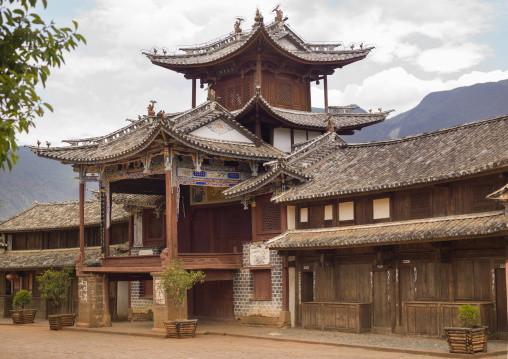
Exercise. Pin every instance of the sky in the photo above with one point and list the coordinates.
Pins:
(421, 47)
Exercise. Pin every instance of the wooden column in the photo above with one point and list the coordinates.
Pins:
(325, 83)
(258, 127)
(193, 93)
(285, 285)
(109, 204)
(171, 209)
(258, 69)
(81, 221)
(131, 231)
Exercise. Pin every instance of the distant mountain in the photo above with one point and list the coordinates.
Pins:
(36, 178)
(440, 110)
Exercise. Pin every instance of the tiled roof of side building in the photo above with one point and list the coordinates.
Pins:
(55, 258)
(59, 215)
(434, 156)
(448, 228)
(343, 120)
(291, 165)
(281, 37)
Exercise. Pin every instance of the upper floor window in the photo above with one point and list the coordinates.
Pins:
(304, 215)
(480, 202)
(381, 208)
(347, 211)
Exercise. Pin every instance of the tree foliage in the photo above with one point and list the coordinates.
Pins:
(54, 285)
(22, 298)
(176, 281)
(29, 47)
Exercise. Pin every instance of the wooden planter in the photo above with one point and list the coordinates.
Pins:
(187, 328)
(23, 316)
(181, 328)
(171, 329)
(467, 340)
(67, 319)
(55, 322)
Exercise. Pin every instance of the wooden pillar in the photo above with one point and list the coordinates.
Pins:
(258, 69)
(131, 231)
(325, 83)
(193, 93)
(109, 204)
(258, 127)
(285, 287)
(81, 221)
(171, 209)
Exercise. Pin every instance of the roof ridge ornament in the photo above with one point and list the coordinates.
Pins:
(210, 93)
(150, 108)
(238, 24)
(258, 19)
(279, 15)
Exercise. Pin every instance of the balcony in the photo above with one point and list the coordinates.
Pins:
(153, 263)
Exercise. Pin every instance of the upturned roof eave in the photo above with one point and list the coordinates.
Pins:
(261, 30)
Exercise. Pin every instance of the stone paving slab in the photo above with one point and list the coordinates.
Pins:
(396, 343)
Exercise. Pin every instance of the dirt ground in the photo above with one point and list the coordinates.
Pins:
(39, 342)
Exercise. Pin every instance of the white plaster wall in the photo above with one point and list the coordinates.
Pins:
(282, 139)
(232, 135)
(381, 208)
(299, 136)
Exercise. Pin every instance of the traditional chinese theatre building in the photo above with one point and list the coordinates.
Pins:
(289, 222)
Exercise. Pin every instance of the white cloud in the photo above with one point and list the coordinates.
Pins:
(397, 89)
(109, 80)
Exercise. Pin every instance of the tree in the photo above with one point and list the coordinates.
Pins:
(176, 280)
(28, 49)
(22, 298)
(54, 285)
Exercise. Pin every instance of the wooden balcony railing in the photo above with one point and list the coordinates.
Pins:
(192, 261)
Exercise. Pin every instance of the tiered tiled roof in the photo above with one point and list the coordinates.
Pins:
(435, 156)
(60, 215)
(55, 258)
(442, 228)
(282, 38)
(343, 120)
(139, 135)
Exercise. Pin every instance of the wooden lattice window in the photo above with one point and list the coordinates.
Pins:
(222, 95)
(420, 205)
(284, 93)
(246, 93)
(270, 217)
(230, 97)
(238, 95)
(480, 202)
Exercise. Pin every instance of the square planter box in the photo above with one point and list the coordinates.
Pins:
(23, 316)
(181, 328)
(467, 340)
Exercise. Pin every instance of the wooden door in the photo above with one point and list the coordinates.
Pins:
(213, 299)
(307, 288)
(502, 313)
(380, 300)
(201, 233)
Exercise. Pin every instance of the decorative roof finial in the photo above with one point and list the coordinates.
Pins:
(48, 144)
(330, 127)
(38, 143)
(211, 93)
(150, 108)
(258, 19)
(238, 24)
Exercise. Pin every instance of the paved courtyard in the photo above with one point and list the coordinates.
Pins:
(32, 341)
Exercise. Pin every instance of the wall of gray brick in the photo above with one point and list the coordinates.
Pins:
(243, 288)
(139, 303)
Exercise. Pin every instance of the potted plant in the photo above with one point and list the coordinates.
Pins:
(54, 286)
(470, 338)
(175, 282)
(22, 316)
